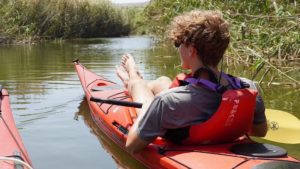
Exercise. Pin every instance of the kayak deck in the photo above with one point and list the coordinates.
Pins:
(115, 121)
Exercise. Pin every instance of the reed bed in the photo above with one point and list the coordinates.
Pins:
(61, 19)
(261, 31)
(267, 26)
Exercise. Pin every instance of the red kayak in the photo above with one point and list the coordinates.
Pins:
(114, 113)
(13, 154)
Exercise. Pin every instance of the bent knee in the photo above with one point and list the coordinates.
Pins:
(160, 84)
(164, 80)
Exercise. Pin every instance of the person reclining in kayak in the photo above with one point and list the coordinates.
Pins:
(201, 38)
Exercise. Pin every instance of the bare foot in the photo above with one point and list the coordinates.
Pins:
(129, 65)
(123, 75)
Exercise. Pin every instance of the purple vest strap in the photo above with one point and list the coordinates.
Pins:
(233, 81)
(204, 82)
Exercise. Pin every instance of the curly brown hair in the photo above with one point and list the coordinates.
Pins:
(207, 31)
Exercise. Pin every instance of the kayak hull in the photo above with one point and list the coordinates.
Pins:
(115, 121)
(11, 144)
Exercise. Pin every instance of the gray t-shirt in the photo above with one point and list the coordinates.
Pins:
(185, 106)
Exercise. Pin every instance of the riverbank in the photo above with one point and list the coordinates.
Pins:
(6, 40)
(267, 28)
(24, 21)
(261, 32)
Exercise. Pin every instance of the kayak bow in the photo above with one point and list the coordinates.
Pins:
(13, 154)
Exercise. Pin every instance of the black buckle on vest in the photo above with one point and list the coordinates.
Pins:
(1, 90)
(244, 85)
(183, 83)
(221, 89)
(161, 150)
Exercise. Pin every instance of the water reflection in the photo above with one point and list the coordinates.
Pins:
(122, 158)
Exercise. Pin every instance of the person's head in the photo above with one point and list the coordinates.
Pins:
(206, 31)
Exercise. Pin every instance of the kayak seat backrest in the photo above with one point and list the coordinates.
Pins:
(233, 119)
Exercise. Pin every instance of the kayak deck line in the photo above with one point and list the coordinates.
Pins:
(116, 120)
(162, 151)
(101, 88)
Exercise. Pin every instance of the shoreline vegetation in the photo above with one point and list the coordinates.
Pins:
(264, 34)
(26, 21)
(269, 27)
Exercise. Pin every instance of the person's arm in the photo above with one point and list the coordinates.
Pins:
(259, 126)
(146, 128)
(134, 143)
(259, 130)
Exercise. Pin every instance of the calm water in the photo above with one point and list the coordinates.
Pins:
(49, 106)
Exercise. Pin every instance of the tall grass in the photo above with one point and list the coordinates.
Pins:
(137, 20)
(61, 19)
(269, 27)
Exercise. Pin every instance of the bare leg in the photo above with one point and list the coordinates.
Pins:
(156, 86)
(160, 84)
(137, 87)
(140, 91)
(123, 75)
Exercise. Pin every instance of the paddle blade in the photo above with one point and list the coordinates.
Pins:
(283, 127)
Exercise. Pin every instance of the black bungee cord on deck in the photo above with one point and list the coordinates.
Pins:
(0, 99)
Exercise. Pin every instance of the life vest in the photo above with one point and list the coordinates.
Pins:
(232, 119)
(180, 80)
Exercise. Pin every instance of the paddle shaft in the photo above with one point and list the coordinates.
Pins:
(117, 102)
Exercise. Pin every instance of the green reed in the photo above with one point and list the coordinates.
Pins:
(269, 27)
(61, 19)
